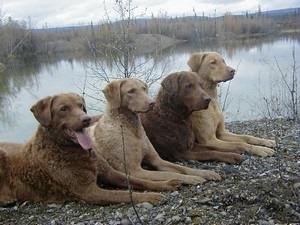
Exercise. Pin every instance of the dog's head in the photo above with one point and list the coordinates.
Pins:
(211, 67)
(185, 88)
(128, 93)
(64, 117)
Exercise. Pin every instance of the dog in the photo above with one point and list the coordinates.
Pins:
(208, 125)
(168, 126)
(121, 139)
(58, 164)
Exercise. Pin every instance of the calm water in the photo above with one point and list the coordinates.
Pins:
(255, 61)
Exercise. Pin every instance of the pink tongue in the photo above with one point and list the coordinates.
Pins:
(84, 140)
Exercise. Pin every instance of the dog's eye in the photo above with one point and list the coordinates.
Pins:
(213, 62)
(131, 91)
(189, 86)
(64, 108)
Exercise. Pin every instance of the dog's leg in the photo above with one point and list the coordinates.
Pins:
(231, 137)
(95, 195)
(5, 198)
(202, 153)
(167, 173)
(225, 135)
(117, 178)
(153, 158)
(231, 146)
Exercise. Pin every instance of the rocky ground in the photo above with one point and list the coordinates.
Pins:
(259, 191)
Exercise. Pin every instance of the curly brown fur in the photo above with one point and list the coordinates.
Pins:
(169, 126)
(57, 163)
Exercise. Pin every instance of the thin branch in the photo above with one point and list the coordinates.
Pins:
(128, 177)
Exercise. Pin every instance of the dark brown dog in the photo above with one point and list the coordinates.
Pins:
(168, 125)
(57, 165)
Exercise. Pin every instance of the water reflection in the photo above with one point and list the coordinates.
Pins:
(34, 78)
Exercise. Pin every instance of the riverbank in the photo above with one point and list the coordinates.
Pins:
(259, 191)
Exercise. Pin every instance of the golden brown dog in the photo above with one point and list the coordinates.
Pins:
(209, 124)
(120, 138)
(169, 126)
(57, 165)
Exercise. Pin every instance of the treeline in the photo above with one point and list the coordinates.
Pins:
(18, 39)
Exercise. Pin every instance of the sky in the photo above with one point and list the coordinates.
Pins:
(60, 13)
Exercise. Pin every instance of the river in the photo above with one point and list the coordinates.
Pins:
(256, 87)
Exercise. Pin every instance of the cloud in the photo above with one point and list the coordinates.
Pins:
(218, 2)
(75, 12)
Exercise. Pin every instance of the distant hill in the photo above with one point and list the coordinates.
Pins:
(282, 12)
(270, 13)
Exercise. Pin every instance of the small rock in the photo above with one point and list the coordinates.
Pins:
(188, 219)
(160, 217)
(125, 222)
(146, 205)
(263, 222)
(223, 213)
(174, 193)
(176, 218)
(297, 185)
(118, 215)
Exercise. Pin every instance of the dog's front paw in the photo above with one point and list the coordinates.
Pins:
(272, 144)
(262, 151)
(152, 197)
(210, 175)
(172, 185)
(194, 180)
(238, 150)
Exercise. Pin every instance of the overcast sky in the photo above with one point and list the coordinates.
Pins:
(58, 13)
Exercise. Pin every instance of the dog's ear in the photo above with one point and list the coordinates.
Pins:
(81, 99)
(196, 61)
(112, 93)
(144, 84)
(42, 111)
(171, 82)
(84, 105)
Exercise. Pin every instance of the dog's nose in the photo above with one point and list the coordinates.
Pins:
(152, 104)
(207, 100)
(85, 119)
(232, 71)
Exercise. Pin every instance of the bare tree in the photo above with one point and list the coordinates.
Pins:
(290, 82)
(282, 101)
(118, 51)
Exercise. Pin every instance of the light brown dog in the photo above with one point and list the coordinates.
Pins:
(120, 138)
(169, 125)
(209, 124)
(57, 165)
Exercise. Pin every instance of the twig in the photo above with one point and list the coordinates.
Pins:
(128, 177)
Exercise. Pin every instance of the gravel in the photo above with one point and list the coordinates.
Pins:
(261, 191)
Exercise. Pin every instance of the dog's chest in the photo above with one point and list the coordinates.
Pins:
(215, 113)
(182, 135)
